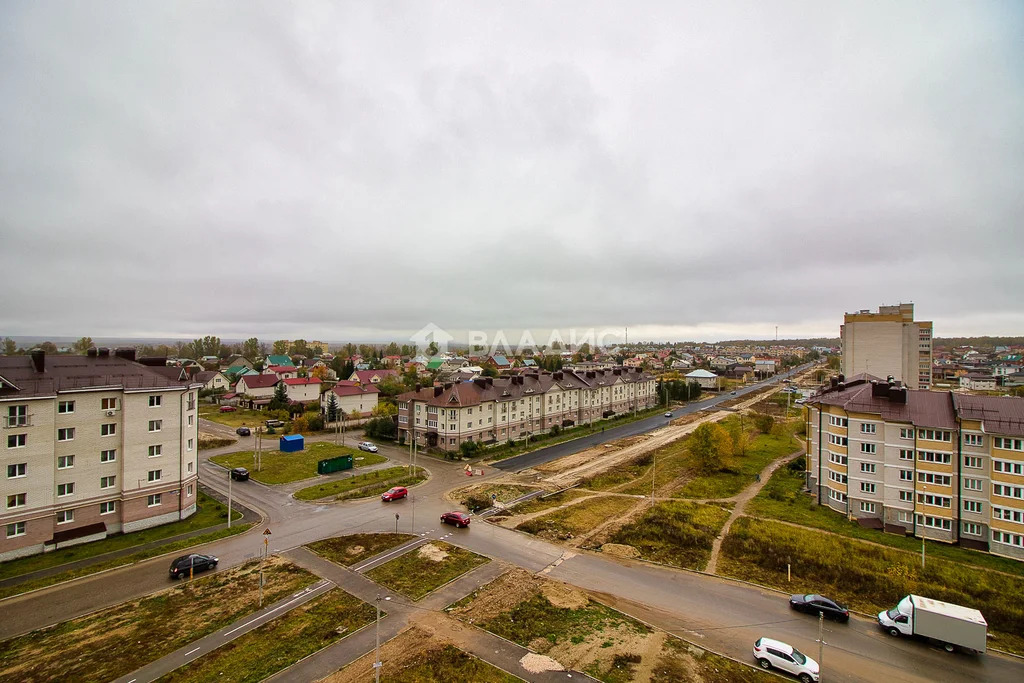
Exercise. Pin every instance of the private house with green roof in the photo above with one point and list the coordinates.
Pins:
(274, 359)
(435, 363)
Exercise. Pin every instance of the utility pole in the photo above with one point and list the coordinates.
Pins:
(654, 463)
(376, 656)
(229, 498)
(821, 644)
(922, 551)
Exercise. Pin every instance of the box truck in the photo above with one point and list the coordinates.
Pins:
(949, 625)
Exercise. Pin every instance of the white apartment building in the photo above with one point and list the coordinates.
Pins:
(886, 343)
(92, 445)
(936, 465)
(498, 409)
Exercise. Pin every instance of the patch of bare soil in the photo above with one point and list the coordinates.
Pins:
(432, 552)
(563, 595)
(536, 664)
(594, 653)
(619, 550)
(396, 653)
(355, 550)
(500, 595)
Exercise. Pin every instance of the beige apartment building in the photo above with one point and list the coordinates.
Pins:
(92, 445)
(936, 465)
(498, 409)
(886, 343)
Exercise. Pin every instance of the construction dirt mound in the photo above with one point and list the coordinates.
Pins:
(619, 550)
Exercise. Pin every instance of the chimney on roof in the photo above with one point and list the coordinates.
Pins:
(38, 360)
(834, 382)
(890, 379)
(840, 386)
(480, 382)
(591, 374)
(127, 353)
(153, 361)
(558, 374)
(104, 352)
(490, 381)
(92, 352)
(447, 386)
(897, 394)
(438, 391)
(418, 386)
(617, 371)
(842, 377)
(879, 389)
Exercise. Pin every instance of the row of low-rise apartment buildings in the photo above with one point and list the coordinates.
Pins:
(936, 465)
(93, 445)
(498, 409)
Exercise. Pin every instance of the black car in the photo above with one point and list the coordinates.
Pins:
(815, 604)
(196, 563)
(243, 431)
(240, 474)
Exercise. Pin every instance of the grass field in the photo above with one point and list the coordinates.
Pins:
(281, 642)
(446, 664)
(363, 485)
(354, 548)
(544, 502)
(678, 663)
(782, 498)
(868, 577)
(281, 468)
(678, 533)
(425, 568)
(241, 417)
(479, 497)
(140, 631)
(577, 519)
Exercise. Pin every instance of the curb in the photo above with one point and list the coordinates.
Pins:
(323, 501)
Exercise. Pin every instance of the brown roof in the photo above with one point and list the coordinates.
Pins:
(923, 408)
(998, 414)
(69, 373)
(259, 381)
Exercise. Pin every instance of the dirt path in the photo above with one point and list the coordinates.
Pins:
(741, 500)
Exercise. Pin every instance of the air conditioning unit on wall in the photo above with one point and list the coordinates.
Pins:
(111, 413)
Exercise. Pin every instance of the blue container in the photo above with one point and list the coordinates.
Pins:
(292, 443)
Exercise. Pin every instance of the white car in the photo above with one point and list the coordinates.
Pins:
(774, 654)
(367, 446)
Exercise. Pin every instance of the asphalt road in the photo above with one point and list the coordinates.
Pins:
(723, 615)
(543, 455)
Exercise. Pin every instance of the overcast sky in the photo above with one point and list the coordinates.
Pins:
(357, 170)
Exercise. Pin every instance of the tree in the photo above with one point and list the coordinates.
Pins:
(490, 372)
(48, 346)
(320, 372)
(764, 423)
(332, 407)
(739, 437)
(709, 444)
(390, 386)
(251, 349)
(10, 348)
(392, 350)
(299, 348)
(280, 399)
(82, 345)
(281, 347)
(833, 363)
(300, 425)
(384, 410)
(432, 349)
(467, 449)
(381, 428)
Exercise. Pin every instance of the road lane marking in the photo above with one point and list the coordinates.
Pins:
(269, 612)
(402, 548)
(191, 651)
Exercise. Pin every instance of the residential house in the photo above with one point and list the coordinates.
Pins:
(706, 380)
(392, 361)
(235, 361)
(978, 382)
(889, 342)
(213, 380)
(721, 363)
(302, 389)
(373, 376)
(740, 372)
(498, 362)
(315, 364)
(353, 399)
(236, 371)
(274, 359)
(93, 445)
(282, 371)
(258, 389)
(435, 363)
(765, 367)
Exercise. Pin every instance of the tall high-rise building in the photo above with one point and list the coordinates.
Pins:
(889, 342)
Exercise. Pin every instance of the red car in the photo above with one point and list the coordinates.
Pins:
(459, 519)
(227, 409)
(394, 493)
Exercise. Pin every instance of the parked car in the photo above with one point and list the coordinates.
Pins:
(243, 431)
(367, 446)
(668, 413)
(196, 563)
(732, 393)
(227, 409)
(774, 654)
(394, 493)
(815, 604)
(459, 519)
(274, 423)
(240, 474)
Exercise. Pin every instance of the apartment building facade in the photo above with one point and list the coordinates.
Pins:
(889, 342)
(92, 445)
(498, 409)
(941, 466)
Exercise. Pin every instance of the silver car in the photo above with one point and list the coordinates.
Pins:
(774, 654)
(367, 446)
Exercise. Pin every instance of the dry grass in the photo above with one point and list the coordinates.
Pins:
(424, 569)
(354, 548)
(578, 519)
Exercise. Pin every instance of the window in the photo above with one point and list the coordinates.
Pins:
(190, 466)
(972, 461)
(65, 516)
(868, 448)
(907, 433)
(154, 401)
(974, 440)
(837, 421)
(153, 500)
(16, 500)
(906, 517)
(934, 435)
(66, 434)
(972, 529)
(1008, 491)
(935, 522)
(837, 440)
(155, 450)
(1007, 538)
(937, 501)
(836, 477)
(17, 470)
(17, 416)
(154, 475)
(65, 489)
(107, 482)
(156, 425)
(189, 490)
(108, 429)
(932, 478)
(1008, 467)
(64, 407)
(837, 496)
(867, 507)
(403, 419)
(929, 456)
(865, 487)
(108, 507)
(906, 454)
(190, 420)
(972, 484)
(108, 404)
(867, 428)
(972, 506)
(1008, 444)
(190, 444)
(1009, 514)
(906, 475)
(16, 529)
(109, 455)
(65, 462)
(837, 458)
(16, 440)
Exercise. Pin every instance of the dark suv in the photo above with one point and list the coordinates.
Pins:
(240, 474)
(196, 563)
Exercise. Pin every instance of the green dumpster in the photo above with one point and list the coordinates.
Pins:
(342, 462)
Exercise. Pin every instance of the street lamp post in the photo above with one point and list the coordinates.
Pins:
(229, 498)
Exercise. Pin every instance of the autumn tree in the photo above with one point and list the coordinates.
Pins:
(320, 372)
(281, 347)
(709, 444)
(384, 409)
(82, 345)
(299, 348)
(48, 346)
(10, 347)
(739, 437)
(251, 349)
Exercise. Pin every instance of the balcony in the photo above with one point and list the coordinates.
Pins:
(14, 421)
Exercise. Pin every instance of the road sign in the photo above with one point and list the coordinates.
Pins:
(266, 532)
